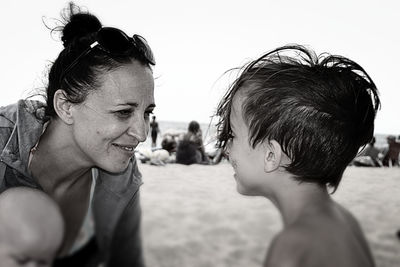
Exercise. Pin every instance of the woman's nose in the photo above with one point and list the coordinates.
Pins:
(139, 129)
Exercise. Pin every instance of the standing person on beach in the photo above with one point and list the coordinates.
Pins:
(290, 124)
(78, 147)
(392, 156)
(154, 131)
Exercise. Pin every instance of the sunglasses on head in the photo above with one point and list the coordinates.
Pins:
(115, 42)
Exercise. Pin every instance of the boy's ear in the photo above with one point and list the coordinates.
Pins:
(273, 156)
(62, 106)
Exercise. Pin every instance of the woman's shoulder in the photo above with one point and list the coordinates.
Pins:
(9, 113)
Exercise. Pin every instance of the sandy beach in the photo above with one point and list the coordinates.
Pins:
(193, 216)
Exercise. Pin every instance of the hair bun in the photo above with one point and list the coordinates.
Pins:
(79, 25)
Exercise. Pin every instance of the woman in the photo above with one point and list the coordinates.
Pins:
(79, 146)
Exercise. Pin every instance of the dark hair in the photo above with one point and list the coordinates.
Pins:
(194, 127)
(78, 33)
(321, 110)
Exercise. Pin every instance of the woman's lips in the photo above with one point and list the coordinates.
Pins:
(128, 148)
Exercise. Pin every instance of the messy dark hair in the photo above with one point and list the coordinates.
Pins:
(320, 109)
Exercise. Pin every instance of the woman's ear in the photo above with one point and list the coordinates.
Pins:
(62, 106)
(273, 156)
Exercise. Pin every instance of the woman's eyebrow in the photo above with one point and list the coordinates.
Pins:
(134, 104)
(152, 106)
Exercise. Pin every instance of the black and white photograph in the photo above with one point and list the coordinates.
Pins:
(200, 133)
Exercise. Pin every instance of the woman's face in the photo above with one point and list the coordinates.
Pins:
(114, 119)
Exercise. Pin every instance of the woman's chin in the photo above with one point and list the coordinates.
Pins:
(116, 167)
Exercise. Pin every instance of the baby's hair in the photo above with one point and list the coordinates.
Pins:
(28, 207)
(320, 109)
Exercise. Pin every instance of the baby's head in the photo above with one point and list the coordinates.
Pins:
(31, 228)
(319, 109)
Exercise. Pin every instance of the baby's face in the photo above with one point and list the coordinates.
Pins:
(28, 251)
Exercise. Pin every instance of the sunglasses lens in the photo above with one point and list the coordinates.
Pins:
(144, 48)
(114, 41)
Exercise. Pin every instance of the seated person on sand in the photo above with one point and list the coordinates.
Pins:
(170, 141)
(392, 156)
(190, 148)
(31, 228)
(369, 156)
(290, 124)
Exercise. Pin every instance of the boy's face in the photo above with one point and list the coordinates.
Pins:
(247, 162)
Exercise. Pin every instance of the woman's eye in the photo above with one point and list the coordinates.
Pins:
(124, 113)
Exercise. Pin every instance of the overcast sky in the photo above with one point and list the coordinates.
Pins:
(195, 42)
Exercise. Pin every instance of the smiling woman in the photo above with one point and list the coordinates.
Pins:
(78, 147)
(124, 105)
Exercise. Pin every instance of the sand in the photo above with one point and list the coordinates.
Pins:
(193, 216)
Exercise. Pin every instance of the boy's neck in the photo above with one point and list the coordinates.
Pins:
(295, 200)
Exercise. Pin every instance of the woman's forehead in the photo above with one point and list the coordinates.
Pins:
(125, 85)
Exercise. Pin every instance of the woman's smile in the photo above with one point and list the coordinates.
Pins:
(126, 148)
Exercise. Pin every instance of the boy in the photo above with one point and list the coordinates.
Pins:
(290, 124)
(31, 228)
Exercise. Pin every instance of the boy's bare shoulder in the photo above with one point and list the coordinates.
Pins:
(289, 247)
(322, 241)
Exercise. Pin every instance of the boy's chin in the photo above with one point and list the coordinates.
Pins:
(246, 191)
